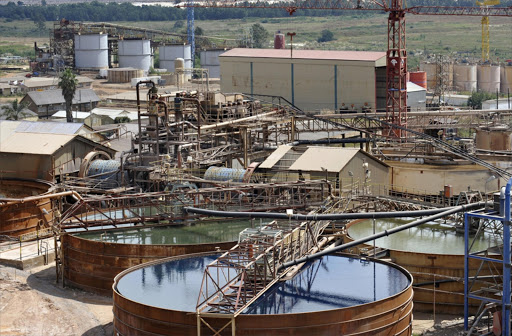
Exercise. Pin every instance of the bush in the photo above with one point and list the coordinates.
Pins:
(477, 98)
(326, 36)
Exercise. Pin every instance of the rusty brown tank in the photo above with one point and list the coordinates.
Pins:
(92, 265)
(391, 315)
(23, 207)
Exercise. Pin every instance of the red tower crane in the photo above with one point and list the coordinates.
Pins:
(396, 100)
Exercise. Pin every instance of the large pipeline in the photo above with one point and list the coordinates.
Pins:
(325, 252)
(342, 216)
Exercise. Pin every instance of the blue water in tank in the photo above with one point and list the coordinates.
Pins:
(330, 283)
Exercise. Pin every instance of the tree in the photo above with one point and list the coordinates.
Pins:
(326, 36)
(178, 24)
(198, 31)
(68, 83)
(14, 111)
(259, 35)
(477, 98)
(40, 22)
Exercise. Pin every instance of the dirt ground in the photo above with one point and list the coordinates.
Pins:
(32, 303)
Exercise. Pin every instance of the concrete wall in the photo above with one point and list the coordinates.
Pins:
(309, 84)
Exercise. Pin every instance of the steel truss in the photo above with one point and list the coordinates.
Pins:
(491, 288)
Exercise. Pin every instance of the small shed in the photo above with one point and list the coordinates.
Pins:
(45, 156)
(46, 103)
(342, 165)
(416, 97)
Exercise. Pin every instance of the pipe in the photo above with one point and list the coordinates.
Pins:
(329, 141)
(448, 211)
(342, 216)
(37, 198)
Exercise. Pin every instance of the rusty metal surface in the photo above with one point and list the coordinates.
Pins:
(390, 316)
(92, 265)
(24, 217)
(446, 269)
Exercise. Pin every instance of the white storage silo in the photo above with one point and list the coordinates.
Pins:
(91, 51)
(488, 77)
(464, 77)
(135, 54)
(506, 78)
(210, 60)
(169, 53)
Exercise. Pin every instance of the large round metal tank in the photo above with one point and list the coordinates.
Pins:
(431, 252)
(21, 217)
(494, 138)
(279, 41)
(465, 77)
(418, 78)
(338, 295)
(91, 51)
(123, 75)
(135, 54)
(431, 70)
(488, 78)
(92, 259)
(170, 53)
(506, 78)
(210, 60)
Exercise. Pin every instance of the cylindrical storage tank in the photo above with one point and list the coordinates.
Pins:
(418, 78)
(465, 77)
(494, 138)
(24, 214)
(430, 252)
(279, 41)
(224, 174)
(431, 70)
(179, 63)
(135, 54)
(449, 75)
(123, 75)
(210, 60)
(92, 259)
(506, 78)
(488, 78)
(170, 53)
(337, 295)
(91, 51)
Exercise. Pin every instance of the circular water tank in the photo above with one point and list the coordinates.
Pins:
(338, 295)
(506, 78)
(279, 42)
(465, 77)
(488, 78)
(91, 51)
(418, 78)
(210, 60)
(135, 54)
(171, 52)
(431, 70)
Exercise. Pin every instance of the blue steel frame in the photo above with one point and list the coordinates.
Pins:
(506, 297)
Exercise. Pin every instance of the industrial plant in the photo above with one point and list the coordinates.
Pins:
(212, 188)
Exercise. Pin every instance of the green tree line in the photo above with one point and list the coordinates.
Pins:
(98, 11)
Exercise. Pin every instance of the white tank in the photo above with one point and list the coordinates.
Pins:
(179, 63)
(464, 77)
(506, 78)
(431, 70)
(171, 52)
(488, 78)
(91, 51)
(135, 54)
(210, 60)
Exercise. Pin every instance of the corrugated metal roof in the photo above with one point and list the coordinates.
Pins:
(46, 81)
(76, 114)
(331, 158)
(411, 87)
(370, 56)
(34, 143)
(48, 97)
(108, 112)
(275, 157)
(49, 127)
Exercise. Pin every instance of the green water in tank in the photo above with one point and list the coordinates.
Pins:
(196, 233)
(433, 237)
